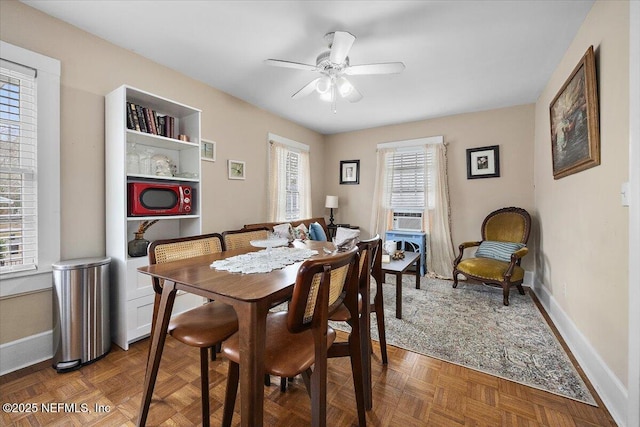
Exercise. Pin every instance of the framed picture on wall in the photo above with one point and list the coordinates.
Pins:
(349, 171)
(575, 129)
(208, 150)
(237, 169)
(483, 162)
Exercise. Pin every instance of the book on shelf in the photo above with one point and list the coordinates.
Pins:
(147, 120)
(151, 125)
(141, 119)
(133, 114)
(161, 126)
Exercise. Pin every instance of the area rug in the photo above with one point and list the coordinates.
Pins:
(470, 326)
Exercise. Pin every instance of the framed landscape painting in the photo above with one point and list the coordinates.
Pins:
(575, 129)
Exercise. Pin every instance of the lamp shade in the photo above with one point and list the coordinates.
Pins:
(331, 202)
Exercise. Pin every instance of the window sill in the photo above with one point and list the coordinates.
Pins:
(24, 282)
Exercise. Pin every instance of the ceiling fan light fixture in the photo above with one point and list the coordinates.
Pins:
(344, 87)
(323, 85)
(327, 96)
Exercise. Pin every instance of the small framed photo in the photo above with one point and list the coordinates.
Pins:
(349, 171)
(236, 169)
(208, 150)
(483, 162)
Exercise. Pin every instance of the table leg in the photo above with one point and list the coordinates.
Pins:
(418, 273)
(252, 321)
(157, 344)
(398, 295)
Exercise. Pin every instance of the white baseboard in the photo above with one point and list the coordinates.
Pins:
(609, 388)
(25, 352)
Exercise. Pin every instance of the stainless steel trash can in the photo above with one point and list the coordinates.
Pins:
(81, 329)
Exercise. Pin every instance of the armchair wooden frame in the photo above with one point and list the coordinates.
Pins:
(503, 274)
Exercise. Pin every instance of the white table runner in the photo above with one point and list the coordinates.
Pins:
(263, 261)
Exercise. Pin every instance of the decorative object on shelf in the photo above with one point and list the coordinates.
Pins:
(133, 158)
(138, 246)
(349, 171)
(236, 169)
(575, 129)
(331, 202)
(398, 255)
(208, 150)
(183, 138)
(483, 162)
(161, 165)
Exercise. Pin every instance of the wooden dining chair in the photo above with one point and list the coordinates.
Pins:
(205, 326)
(300, 337)
(370, 265)
(241, 239)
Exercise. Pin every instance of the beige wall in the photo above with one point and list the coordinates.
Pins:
(91, 68)
(583, 254)
(471, 199)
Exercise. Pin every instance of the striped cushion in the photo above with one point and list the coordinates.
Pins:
(498, 250)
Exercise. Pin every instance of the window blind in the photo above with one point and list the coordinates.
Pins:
(18, 168)
(292, 209)
(407, 179)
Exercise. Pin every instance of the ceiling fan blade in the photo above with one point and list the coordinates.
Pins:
(347, 90)
(382, 68)
(340, 46)
(289, 64)
(307, 89)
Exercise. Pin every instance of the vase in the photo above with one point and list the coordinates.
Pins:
(138, 246)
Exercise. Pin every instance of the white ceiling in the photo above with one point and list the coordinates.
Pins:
(460, 56)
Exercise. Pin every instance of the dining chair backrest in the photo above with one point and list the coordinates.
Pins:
(241, 239)
(369, 253)
(161, 251)
(319, 285)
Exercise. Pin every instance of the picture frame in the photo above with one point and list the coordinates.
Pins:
(237, 169)
(207, 150)
(575, 128)
(349, 171)
(483, 162)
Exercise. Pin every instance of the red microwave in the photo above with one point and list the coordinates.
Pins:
(151, 198)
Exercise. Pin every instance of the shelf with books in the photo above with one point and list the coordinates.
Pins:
(135, 156)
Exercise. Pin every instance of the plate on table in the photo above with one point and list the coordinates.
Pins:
(269, 243)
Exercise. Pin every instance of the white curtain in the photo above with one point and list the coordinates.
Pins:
(436, 216)
(440, 254)
(278, 182)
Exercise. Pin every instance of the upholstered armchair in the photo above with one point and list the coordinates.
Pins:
(497, 260)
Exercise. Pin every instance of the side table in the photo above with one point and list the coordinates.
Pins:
(397, 267)
(412, 241)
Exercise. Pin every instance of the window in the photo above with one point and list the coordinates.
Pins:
(292, 207)
(18, 169)
(408, 178)
(289, 180)
(29, 169)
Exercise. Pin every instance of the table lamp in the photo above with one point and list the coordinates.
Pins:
(331, 202)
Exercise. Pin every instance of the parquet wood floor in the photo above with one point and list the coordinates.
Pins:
(413, 390)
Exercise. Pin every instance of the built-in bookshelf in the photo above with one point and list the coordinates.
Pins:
(172, 132)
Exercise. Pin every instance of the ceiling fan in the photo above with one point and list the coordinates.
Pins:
(333, 65)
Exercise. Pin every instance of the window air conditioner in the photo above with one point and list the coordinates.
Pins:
(407, 221)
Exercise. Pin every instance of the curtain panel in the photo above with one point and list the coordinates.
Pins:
(434, 201)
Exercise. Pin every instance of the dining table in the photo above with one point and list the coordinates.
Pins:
(252, 296)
